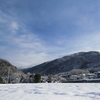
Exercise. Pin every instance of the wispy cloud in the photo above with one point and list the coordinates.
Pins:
(25, 49)
(85, 42)
(13, 27)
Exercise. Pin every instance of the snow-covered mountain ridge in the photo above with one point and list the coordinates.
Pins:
(82, 60)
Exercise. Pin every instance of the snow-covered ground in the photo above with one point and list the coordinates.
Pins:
(50, 91)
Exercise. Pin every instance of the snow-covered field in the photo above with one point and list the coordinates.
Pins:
(50, 91)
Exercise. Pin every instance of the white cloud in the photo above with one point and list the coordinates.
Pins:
(26, 50)
(14, 27)
(84, 42)
(22, 50)
(29, 59)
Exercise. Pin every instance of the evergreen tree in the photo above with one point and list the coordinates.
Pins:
(1, 80)
(37, 78)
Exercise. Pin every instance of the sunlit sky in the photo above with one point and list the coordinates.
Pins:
(36, 31)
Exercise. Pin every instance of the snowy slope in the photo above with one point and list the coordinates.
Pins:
(81, 60)
(11, 71)
(50, 91)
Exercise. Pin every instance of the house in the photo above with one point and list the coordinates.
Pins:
(90, 76)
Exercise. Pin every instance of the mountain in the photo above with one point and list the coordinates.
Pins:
(9, 72)
(83, 60)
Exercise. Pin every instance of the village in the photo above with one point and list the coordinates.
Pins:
(66, 78)
(89, 77)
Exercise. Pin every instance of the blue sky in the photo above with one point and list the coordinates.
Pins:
(35, 31)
